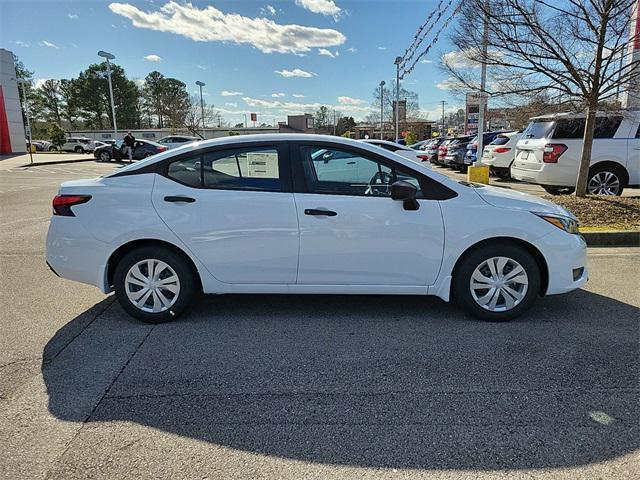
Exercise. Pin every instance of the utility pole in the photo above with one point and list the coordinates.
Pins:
(334, 122)
(442, 133)
(397, 112)
(110, 56)
(382, 83)
(483, 84)
(201, 84)
(23, 82)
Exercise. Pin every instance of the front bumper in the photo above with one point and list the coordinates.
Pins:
(564, 254)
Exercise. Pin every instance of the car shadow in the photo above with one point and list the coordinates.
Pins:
(400, 382)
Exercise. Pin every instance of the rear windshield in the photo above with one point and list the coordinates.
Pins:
(500, 140)
(539, 128)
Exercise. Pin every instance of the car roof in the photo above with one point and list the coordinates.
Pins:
(385, 142)
(555, 116)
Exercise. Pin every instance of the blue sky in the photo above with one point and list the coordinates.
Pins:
(272, 57)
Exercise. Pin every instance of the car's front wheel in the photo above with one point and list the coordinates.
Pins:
(105, 156)
(497, 282)
(154, 284)
(558, 190)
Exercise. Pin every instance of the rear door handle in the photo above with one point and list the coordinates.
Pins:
(317, 211)
(177, 198)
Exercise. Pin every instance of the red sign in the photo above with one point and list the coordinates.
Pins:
(254, 117)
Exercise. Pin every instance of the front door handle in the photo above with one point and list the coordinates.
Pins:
(318, 211)
(177, 198)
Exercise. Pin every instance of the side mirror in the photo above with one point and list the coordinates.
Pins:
(406, 192)
(327, 156)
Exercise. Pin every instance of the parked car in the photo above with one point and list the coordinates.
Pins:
(442, 150)
(407, 152)
(550, 149)
(142, 149)
(174, 141)
(470, 155)
(295, 213)
(421, 145)
(500, 153)
(42, 145)
(432, 149)
(456, 149)
(78, 145)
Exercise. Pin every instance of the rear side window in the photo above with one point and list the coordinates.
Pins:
(569, 128)
(539, 129)
(606, 127)
(242, 169)
(500, 140)
(186, 171)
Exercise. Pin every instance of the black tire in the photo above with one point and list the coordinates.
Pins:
(558, 190)
(502, 173)
(182, 268)
(104, 156)
(52, 148)
(461, 282)
(606, 172)
(78, 150)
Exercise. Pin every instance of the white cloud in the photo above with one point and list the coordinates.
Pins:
(296, 72)
(466, 58)
(278, 95)
(73, 16)
(325, 7)
(268, 10)
(139, 82)
(297, 95)
(153, 58)
(47, 44)
(382, 48)
(352, 49)
(231, 104)
(39, 82)
(114, 26)
(201, 67)
(426, 61)
(449, 83)
(20, 43)
(328, 53)
(212, 25)
(349, 101)
(230, 93)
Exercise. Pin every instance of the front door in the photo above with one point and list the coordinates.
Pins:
(234, 210)
(352, 232)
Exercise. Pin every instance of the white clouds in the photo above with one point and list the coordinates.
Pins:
(382, 48)
(352, 49)
(467, 58)
(20, 43)
(297, 95)
(212, 25)
(426, 61)
(39, 82)
(268, 10)
(231, 104)
(201, 67)
(350, 101)
(278, 95)
(451, 83)
(73, 16)
(328, 53)
(153, 58)
(230, 93)
(296, 72)
(139, 82)
(45, 43)
(325, 7)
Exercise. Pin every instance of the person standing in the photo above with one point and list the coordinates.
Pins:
(129, 142)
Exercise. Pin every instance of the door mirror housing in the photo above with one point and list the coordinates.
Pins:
(406, 192)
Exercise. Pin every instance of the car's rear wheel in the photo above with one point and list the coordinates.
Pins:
(558, 190)
(497, 282)
(154, 284)
(52, 148)
(105, 156)
(605, 180)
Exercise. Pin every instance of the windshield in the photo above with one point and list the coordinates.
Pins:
(540, 128)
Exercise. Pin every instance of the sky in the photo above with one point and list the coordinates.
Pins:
(270, 57)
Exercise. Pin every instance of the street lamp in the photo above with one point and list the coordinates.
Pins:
(381, 108)
(109, 56)
(201, 84)
(23, 82)
(397, 63)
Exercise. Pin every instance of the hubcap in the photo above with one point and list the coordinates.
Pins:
(499, 284)
(104, 156)
(152, 286)
(604, 183)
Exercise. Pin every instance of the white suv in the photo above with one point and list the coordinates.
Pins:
(79, 145)
(500, 153)
(549, 151)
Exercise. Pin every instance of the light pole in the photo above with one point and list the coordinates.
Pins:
(442, 134)
(23, 82)
(245, 120)
(397, 64)
(382, 83)
(483, 84)
(109, 56)
(201, 84)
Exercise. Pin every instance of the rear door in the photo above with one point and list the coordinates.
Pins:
(234, 209)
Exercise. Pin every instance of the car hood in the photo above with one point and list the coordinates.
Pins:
(506, 198)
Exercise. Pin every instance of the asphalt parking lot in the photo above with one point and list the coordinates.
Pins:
(266, 386)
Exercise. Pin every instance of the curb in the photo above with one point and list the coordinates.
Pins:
(58, 162)
(612, 238)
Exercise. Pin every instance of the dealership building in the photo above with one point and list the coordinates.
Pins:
(12, 138)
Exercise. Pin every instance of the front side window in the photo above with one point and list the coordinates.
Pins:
(243, 169)
(342, 172)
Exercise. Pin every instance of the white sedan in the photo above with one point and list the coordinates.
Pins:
(174, 141)
(291, 213)
(406, 152)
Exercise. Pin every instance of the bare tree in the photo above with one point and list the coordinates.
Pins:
(577, 49)
(413, 106)
(193, 117)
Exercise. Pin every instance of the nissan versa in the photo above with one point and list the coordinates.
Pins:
(307, 214)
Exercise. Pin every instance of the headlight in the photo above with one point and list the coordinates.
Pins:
(567, 224)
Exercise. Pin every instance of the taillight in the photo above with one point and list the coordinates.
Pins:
(552, 152)
(62, 204)
(424, 158)
(501, 149)
(162, 149)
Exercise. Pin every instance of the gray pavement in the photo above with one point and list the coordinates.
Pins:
(266, 386)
